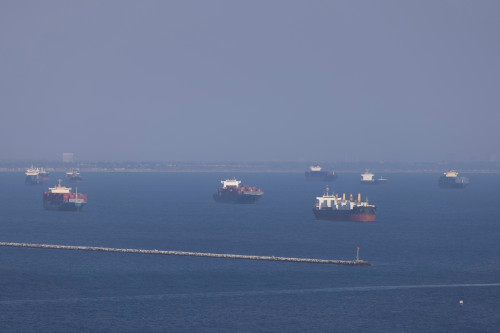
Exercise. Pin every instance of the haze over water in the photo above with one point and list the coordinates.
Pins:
(253, 81)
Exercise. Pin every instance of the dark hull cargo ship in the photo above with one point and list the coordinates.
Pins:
(315, 172)
(450, 179)
(73, 176)
(331, 207)
(232, 192)
(44, 174)
(33, 176)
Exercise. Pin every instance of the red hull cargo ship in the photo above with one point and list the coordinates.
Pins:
(331, 207)
(232, 192)
(61, 198)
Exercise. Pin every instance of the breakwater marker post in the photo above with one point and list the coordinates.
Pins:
(356, 262)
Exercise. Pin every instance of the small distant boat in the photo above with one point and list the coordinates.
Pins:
(450, 179)
(368, 178)
(316, 172)
(74, 176)
(61, 198)
(33, 176)
(44, 174)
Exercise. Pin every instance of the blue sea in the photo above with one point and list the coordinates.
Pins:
(429, 249)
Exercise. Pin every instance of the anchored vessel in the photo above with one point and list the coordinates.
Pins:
(315, 172)
(73, 176)
(33, 176)
(331, 207)
(367, 178)
(44, 174)
(232, 192)
(450, 179)
(61, 198)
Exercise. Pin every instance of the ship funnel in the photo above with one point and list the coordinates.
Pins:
(350, 196)
(343, 196)
(359, 197)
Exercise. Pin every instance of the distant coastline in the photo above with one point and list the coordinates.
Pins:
(257, 167)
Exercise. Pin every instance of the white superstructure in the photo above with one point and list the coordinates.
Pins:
(73, 172)
(230, 182)
(315, 168)
(367, 176)
(332, 201)
(32, 171)
(451, 174)
(59, 188)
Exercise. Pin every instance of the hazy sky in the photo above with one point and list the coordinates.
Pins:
(250, 80)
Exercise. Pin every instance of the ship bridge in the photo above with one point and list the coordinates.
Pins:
(230, 182)
(59, 188)
(451, 173)
(367, 176)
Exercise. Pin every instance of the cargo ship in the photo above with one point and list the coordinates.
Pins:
(368, 178)
(331, 207)
(315, 172)
(61, 198)
(74, 176)
(232, 192)
(33, 176)
(450, 179)
(44, 174)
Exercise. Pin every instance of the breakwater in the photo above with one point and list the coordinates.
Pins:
(191, 254)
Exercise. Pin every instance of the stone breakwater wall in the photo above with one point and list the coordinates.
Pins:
(192, 254)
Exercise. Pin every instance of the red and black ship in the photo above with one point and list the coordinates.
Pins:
(61, 198)
(232, 192)
(44, 174)
(331, 207)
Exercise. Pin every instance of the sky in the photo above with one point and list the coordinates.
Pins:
(231, 80)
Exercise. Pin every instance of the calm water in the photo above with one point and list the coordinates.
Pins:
(429, 248)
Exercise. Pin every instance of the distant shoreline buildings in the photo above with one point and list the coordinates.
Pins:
(247, 166)
(67, 157)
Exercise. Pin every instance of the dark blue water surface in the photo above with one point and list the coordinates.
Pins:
(430, 248)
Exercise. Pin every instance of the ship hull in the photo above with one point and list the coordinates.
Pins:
(374, 182)
(33, 180)
(361, 214)
(67, 206)
(75, 179)
(64, 201)
(448, 182)
(320, 176)
(236, 198)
